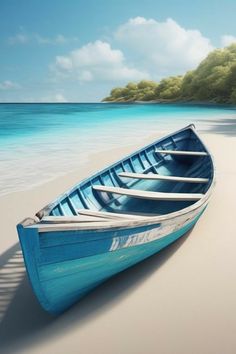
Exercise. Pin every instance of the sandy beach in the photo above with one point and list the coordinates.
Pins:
(179, 301)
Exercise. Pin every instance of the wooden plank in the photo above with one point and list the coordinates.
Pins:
(178, 152)
(149, 194)
(103, 223)
(53, 227)
(154, 176)
(109, 215)
(70, 219)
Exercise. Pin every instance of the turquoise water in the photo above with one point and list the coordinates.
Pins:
(38, 142)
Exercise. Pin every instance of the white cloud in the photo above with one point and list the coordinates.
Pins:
(58, 39)
(19, 38)
(227, 39)
(53, 98)
(9, 85)
(163, 47)
(25, 38)
(59, 97)
(61, 39)
(96, 61)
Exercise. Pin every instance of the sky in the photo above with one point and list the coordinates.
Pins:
(77, 51)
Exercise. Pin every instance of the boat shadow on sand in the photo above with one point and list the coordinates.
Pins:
(225, 126)
(24, 323)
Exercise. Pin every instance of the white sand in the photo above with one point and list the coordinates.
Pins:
(182, 300)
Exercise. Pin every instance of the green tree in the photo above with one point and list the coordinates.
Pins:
(169, 88)
(213, 80)
(132, 86)
(146, 84)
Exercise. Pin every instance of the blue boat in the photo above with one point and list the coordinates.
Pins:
(116, 218)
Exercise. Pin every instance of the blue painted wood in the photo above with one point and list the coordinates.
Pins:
(64, 265)
(29, 240)
(59, 282)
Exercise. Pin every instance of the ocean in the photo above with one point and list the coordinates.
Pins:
(39, 142)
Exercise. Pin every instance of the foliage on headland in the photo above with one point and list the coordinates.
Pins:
(214, 80)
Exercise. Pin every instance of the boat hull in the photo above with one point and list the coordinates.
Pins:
(116, 218)
(60, 276)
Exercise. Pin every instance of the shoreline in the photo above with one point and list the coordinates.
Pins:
(39, 158)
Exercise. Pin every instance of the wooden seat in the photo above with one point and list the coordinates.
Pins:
(109, 215)
(149, 194)
(154, 176)
(178, 152)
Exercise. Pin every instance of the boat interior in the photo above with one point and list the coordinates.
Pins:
(161, 178)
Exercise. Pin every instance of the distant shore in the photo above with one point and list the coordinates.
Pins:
(162, 101)
(212, 81)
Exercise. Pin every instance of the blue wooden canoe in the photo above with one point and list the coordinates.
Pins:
(116, 218)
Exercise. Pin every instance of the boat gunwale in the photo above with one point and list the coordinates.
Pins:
(128, 223)
(115, 225)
